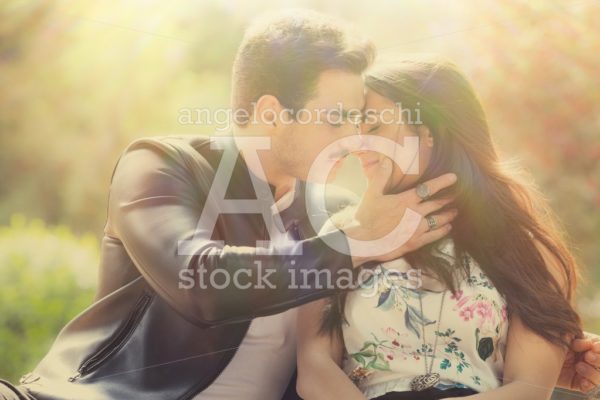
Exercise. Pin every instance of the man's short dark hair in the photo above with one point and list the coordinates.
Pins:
(283, 54)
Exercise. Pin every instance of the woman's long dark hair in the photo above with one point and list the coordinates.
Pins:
(500, 216)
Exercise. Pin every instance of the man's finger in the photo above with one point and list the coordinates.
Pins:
(588, 372)
(431, 206)
(433, 186)
(441, 220)
(580, 345)
(441, 182)
(586, 385)
(432, 236)
(592, 358)
(577, 383)
(380, 177)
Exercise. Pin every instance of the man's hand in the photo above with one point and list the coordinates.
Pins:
(584, 375)
(379, 214)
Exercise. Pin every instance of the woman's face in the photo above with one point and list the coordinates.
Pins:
(384, 118)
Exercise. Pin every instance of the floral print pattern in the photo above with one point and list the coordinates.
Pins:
(384, 332)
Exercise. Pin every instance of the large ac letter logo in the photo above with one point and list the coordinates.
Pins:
(217, 204)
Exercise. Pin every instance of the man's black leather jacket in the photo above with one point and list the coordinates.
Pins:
(145, 337)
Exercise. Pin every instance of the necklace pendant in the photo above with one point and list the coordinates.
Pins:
(423, 382)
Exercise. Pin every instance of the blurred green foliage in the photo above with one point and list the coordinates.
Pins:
(47, 276)
(81, 79)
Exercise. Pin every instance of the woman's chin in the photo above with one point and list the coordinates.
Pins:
(366, 165)
(369, 168)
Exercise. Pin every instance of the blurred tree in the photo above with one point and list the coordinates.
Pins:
(537, 70)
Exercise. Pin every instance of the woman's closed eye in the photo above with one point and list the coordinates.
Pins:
(373, 129)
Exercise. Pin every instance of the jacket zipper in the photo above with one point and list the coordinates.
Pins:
(118, 341)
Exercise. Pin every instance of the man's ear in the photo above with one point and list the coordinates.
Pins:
(267, 111)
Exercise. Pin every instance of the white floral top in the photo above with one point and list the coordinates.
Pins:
(383, 337)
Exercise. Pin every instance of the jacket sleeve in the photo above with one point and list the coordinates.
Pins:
(156, 199)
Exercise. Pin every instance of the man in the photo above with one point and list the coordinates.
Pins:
(186, 217)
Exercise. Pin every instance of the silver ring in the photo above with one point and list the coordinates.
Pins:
(431, 222)
(422, 191)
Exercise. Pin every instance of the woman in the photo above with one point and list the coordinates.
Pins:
(491, 315)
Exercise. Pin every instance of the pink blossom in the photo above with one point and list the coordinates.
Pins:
(467, 313)
(504, 312)
(484, 310)
(462, 301)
